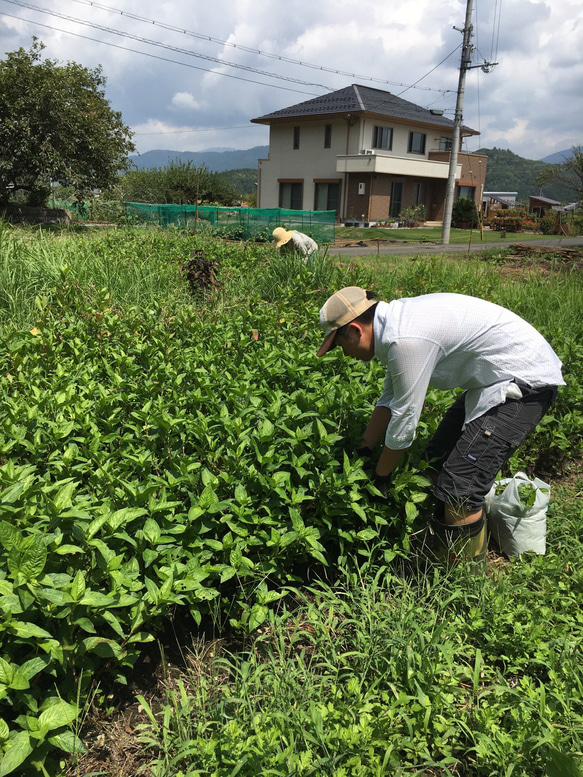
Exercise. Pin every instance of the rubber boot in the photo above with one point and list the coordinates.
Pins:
(452, 544)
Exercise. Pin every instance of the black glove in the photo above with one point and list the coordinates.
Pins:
(382, 482)
(366, 454)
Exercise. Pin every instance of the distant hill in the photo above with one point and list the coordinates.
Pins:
(558, 157)
(215, 161)
(508, 172)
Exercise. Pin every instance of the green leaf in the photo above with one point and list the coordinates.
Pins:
(259, 613)
(6, 672)
(64, 430)
(67, 741)
(358, 510)
(106, 648)
(208, 497)
(57, 715)
(367, 534)
(411, 511)
(65, 550)
(78, 586)
(33, 666)
(20, 748)
(29, 630)
(266, 430)
(13, 492)
(96, 599)
(64, 498)
(151, 531)
(19, 682)
(236, 556)
(240, 494)
(9, 534)
(125, 515)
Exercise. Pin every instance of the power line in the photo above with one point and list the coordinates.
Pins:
(205, 57)
(166, 46)
(247, 49)
(155, 56)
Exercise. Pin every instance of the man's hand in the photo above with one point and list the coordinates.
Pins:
(382, 482)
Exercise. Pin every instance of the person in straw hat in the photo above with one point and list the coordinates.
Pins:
(508, 371)
(290, 240)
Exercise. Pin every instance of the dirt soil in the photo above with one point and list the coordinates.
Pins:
(543, 259)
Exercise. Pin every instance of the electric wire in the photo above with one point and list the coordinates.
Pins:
(156, 56)
(166, 46)
(219, 61)
(246, 49)
(413, 86)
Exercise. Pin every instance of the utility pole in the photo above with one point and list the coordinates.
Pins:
(465, 64)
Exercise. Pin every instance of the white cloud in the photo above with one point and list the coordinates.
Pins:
(529, 103)
(184, 101)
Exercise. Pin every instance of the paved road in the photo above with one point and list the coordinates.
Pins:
(438, 248)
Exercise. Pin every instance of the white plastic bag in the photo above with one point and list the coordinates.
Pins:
(519, 525)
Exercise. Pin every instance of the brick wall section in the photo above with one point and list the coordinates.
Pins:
(374, 204)
(358, 204)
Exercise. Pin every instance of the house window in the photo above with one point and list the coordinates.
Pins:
(291, 195)
(419, 194)
(417, 142)
(328, 136)
(468, 192)
(382, 137)
(445, 144)
(327, 196)
(396, 199)
(296, 137)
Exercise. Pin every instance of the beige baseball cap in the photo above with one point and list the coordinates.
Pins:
(340, 309)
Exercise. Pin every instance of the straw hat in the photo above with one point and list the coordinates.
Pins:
(281, 236)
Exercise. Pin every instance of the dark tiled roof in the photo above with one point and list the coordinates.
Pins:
(359, 99)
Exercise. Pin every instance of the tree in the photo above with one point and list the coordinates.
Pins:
(57, 125)
(180, 182)
(568, 174)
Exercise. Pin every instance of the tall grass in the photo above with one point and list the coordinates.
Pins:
(136, 267)
(409, 671)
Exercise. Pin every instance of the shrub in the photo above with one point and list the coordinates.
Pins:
(547, 223)
(464, 211)
(413, 216)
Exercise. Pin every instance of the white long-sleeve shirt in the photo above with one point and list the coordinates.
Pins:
(449, 341)
(301, 243)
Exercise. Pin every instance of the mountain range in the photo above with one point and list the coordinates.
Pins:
(506, 171)
(216, 161)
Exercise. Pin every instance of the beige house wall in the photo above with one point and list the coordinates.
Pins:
(352, 161)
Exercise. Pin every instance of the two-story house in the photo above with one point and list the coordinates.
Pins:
(366, 154)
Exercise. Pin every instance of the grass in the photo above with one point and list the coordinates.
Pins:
(132, 265)
(386, 666)
(400, 670)
(397, 668)
(434, 235)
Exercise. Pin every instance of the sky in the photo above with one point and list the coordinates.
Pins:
(188, 75)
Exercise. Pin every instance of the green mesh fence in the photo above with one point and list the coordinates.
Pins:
(237, 223)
